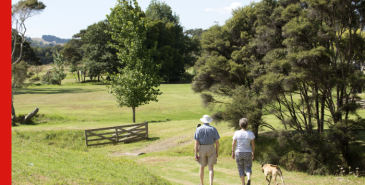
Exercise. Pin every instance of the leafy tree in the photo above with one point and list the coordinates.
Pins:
(46, 53)
(28, 54)
(224, 69)
(175, 50)
(298, 60)
(135, 84)
(21, 11)
(71, 53)
(58, 68)
(19, 74)
(195, 33)
(99, 56)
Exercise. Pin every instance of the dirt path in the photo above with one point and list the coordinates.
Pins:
(158, 146)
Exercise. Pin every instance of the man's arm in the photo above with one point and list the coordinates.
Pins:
(217, 146)
(196, 149)
(253, 148)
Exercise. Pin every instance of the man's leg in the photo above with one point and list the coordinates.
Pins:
(211, 174)
(201, 173)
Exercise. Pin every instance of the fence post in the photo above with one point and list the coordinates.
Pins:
(146, 129)
(116, 132)
(86, 138)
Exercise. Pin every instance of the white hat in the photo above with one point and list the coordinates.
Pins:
(206, 119)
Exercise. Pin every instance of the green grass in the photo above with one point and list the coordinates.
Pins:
(54, 151)
(93, 106)
(38, 163)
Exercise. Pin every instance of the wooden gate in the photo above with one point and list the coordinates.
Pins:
(118, 134)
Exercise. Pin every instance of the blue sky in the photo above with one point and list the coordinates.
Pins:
(66, 17)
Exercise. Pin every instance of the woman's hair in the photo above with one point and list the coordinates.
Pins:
(243, 123)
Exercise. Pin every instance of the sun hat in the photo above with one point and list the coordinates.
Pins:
(206, 119)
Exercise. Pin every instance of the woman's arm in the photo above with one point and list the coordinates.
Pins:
(233, 145)
(253, 148)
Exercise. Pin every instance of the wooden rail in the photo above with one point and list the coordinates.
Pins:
(118, 134)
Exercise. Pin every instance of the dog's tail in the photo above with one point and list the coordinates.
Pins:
(281, 176)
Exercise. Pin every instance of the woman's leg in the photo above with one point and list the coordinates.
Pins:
(248, 166)
(248, 178)
(243, 179)
(240, 166)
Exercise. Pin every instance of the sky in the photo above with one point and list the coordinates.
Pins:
(67, 17)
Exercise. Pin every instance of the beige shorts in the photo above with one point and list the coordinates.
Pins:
(207, 155)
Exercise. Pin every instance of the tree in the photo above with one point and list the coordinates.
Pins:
(175, 50)
(99, 56)
(28, 54)
(135, 84)
(224, 69)
(71, 53)
(21, 11)
(46, 53)
(58, 68)
(297, 60)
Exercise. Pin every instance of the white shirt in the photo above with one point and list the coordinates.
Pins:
(244, 139)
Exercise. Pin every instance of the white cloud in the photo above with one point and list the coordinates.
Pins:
(224, 10)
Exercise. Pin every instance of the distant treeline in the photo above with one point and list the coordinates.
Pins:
(51, 38)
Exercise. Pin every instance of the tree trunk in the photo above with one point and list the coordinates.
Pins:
(317, 110)
(134, 114)
(98, 78)
(84, 76)
(30, 115)
(13, 116)
(323, 101)
(78, 75)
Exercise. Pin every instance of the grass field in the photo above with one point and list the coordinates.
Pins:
(54, 151)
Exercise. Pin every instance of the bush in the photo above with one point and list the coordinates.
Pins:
(35, 79)
(187, 77)
(48, 79)
(30, 74)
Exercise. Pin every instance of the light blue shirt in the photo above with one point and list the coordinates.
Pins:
(206, 134)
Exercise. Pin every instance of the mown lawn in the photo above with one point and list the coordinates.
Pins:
(54, 151)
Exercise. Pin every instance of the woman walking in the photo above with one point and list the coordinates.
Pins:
(244, 142)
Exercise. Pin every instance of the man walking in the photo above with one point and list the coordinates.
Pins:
(205, 137)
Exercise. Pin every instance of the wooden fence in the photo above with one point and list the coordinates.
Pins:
(360, 102)
(118, 134)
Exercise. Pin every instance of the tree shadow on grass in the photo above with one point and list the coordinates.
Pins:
(153, 138)
(54, 91)
(158, 121)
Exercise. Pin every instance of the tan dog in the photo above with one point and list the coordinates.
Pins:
(272, 171)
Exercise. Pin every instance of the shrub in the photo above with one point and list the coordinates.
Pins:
(187, 77)
(35, 79)
(30, 74)
(48, 79)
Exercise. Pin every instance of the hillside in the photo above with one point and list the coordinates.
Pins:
(36, 42)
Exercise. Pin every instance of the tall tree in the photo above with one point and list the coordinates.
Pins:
(175, 50)
(136, 83)
(99, 56)
(225, 66)
(299, 62)
(21, 11)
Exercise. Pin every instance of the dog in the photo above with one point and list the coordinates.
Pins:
(272, 171)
